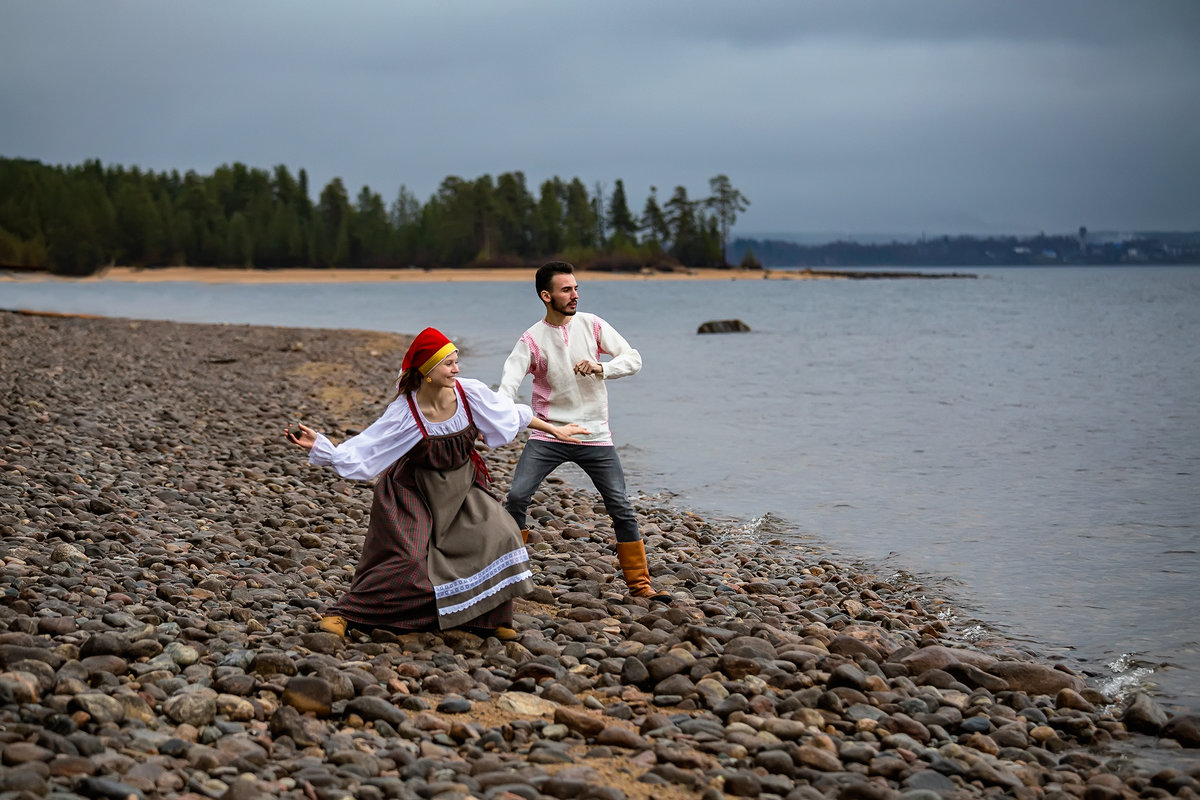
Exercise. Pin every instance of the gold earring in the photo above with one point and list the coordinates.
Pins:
(429, 380)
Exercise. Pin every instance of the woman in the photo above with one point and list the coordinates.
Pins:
(440, 550)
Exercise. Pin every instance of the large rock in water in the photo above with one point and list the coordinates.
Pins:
(1144, 715)
(1184, 729)
(1034, 679)
(724, 326)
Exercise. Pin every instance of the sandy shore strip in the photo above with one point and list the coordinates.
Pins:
(165, 557)
(230, 275)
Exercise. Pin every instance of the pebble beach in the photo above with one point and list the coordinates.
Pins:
(166, 556)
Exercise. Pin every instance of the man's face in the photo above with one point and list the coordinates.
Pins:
(563, 296)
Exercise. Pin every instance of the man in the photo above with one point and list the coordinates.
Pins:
(562, 352)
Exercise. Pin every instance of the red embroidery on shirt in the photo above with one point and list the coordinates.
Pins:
(596, 335)
(538, 368)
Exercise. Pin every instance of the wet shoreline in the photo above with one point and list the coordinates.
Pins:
(167, 555)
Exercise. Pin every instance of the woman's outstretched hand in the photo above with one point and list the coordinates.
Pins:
(305, 437)
(567, 433)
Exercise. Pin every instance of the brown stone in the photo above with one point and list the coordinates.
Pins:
(1069, 698)
(309, 694)
(270, 662)
(971, 675)
(304, 731)
(1184, 729)
(19, 753)
(22, 687)
(874, 636)
(664, 667)
(195, 708)
(65, 766)
(620, 736)
(902, 723)
(112, 664)
(580, 721)
(852, 647)
(239, 684)
(817, 758)
(983, 743)
(940, 657)
(323, 642)
(1034, 679)
(1011, 735)
(684, 757)
(787, 728)
(56, 626)
(238, 709)
(676, 684)
(738, 667)
(654, 721)
(137, 708)
(751, 647)
(1144, 715)
(580, 614)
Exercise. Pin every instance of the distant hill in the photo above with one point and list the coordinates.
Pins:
(811, 238)
(825, 237)
(875, 250)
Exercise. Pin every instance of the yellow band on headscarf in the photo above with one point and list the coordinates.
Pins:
(437, 357)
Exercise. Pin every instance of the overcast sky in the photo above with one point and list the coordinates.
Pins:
(893, 116)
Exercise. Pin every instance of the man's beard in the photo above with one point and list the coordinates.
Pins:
(565, 309)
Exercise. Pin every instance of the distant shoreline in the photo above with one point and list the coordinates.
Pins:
(216, 275)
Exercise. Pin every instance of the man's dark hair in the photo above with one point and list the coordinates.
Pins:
(546, 273)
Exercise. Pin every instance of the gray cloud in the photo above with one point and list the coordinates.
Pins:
(873, 116)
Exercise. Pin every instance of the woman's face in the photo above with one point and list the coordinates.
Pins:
(444, 373)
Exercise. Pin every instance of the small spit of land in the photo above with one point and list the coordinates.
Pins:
(166, 556)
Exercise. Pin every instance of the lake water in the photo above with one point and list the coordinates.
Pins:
(1027, 444)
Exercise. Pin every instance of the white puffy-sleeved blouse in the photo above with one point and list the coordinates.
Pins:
(365, 455)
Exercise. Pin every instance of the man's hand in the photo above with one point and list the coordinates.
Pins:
(567, 433)
(586, 367)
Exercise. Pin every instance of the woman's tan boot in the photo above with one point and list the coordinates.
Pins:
(632, 557)
(334, 624)
(501, 632)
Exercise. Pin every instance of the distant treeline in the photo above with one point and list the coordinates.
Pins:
(75, 219)
(970, 251)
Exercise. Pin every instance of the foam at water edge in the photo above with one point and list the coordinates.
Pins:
(975, 633)
(1127, 676)
(765, 525)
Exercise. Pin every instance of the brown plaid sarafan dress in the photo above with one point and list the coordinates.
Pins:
(440, 550)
